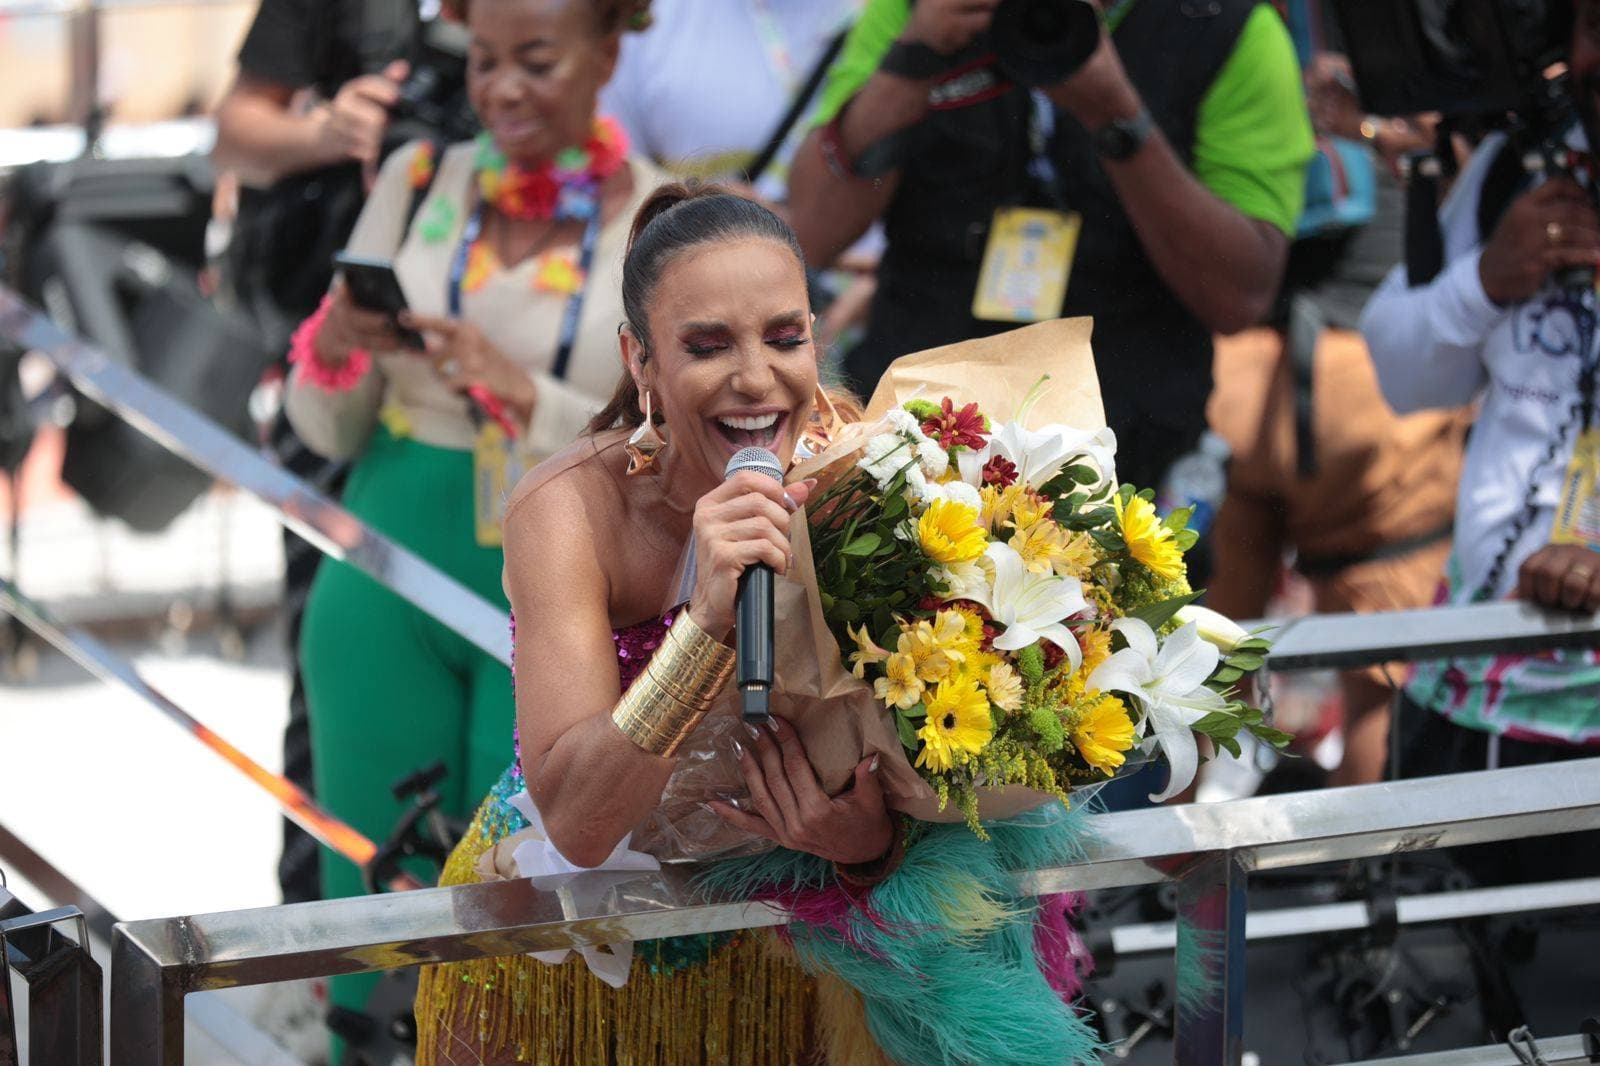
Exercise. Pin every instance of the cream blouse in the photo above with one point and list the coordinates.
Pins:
(523, 322)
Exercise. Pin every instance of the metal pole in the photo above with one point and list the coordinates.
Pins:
(146, 1003)
(189, 434)
(65, 1027)
(1210, 962)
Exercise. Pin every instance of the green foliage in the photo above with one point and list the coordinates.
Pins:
(922, 410)
(1155, 615)
(1030, 664)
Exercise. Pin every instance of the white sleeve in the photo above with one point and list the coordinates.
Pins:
(1427, 341)
(336, 425)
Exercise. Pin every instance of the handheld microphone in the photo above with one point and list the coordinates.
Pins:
(753, 608)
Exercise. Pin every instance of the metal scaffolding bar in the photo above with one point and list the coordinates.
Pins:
(191, 435)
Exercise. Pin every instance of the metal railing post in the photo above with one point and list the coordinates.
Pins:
(146, 1004)
(65, 1026)
(1210, 962)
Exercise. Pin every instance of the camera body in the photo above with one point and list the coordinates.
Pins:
(1042, 42)
(1456, 57)
(433, 102)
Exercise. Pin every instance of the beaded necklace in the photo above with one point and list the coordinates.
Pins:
(566, 188)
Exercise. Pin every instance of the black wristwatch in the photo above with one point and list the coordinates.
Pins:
(1121, 137)
(914, 60)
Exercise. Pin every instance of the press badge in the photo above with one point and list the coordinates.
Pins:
(1578, 515)
(1026, 264)
(496, 469)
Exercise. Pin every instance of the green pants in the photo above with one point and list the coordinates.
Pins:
(390, 689)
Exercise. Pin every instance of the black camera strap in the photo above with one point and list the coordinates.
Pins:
(797, 107)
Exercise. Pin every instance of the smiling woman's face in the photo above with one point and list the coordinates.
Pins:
(534, 70)
(732, 362)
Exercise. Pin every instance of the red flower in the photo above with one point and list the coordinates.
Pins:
(528, 194)
(952, 428)
(1000, 472)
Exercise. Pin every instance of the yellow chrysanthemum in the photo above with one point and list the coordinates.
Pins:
(1005, 687)
(1077, 559)
(1096, 645)
(949, 532)
(867, 652)
(1149, 542)
(900, 687)
(938, 647)
(1103, 734)
(958, 724)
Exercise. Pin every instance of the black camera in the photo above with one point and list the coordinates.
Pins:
(433, 102)
(1456, 57)
(1042, 42)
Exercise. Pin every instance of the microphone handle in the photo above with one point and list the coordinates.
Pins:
(754, 637)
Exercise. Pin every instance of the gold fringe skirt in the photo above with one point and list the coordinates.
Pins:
(747, 1004)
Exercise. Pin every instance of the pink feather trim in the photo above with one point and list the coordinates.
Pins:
(1063, 956)
(312, 370)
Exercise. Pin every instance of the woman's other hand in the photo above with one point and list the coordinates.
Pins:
(787, 804)
(1561, 575)
(741, 522)
(464, 358)
(348, 327)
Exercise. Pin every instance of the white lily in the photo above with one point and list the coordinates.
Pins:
(1032, 607)
(1168, 681)
(1040, 454)
(1217, 629)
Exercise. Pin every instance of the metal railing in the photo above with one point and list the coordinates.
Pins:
(196, 438)
(1207, 850)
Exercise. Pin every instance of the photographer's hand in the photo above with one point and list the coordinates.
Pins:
(1565, 576)
(948, 26)
(353, 124)
(464, 357)
(1544, 230)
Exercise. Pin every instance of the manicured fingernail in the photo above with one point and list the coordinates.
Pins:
(706, 807)
(755, 734)
(772, 723)
(738, 749)
(788, 501)
(872, 767)
(736, 804)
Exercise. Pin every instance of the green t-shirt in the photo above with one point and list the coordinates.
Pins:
(1252, 133)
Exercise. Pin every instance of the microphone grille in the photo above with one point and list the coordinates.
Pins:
(758, 459)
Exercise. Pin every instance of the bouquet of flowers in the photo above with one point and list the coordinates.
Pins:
(1026, 619)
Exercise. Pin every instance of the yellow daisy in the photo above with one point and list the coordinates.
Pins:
(1005, 687)
(949, 532)
(958, 724)
(900, 687)
(1096, 645)
(1149, 542)
(1103, 734)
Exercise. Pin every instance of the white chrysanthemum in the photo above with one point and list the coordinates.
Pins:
(885, 456)
(956, 492)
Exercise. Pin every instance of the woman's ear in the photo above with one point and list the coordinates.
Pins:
(635, 359)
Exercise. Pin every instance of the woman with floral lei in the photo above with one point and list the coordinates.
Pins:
(507, 353)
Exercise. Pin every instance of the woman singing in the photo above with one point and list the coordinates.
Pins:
(718, 356)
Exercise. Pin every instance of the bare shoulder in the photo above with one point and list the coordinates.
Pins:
(562, 512)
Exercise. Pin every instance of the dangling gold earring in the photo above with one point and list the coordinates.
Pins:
(824, 425)
(644, 448)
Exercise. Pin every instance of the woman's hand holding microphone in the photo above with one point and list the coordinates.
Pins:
(744, 522)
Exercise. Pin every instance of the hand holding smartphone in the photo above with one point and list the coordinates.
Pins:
(374, 286)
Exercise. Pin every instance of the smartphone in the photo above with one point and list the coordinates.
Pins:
(374, 286)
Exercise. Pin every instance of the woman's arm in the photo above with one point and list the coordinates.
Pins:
(591, 783)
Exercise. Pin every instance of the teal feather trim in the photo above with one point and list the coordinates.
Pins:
(942, 952)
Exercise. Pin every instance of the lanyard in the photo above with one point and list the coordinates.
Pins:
(776, 44)
(574, 308)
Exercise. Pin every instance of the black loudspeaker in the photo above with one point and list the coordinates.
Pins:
(112, 252)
